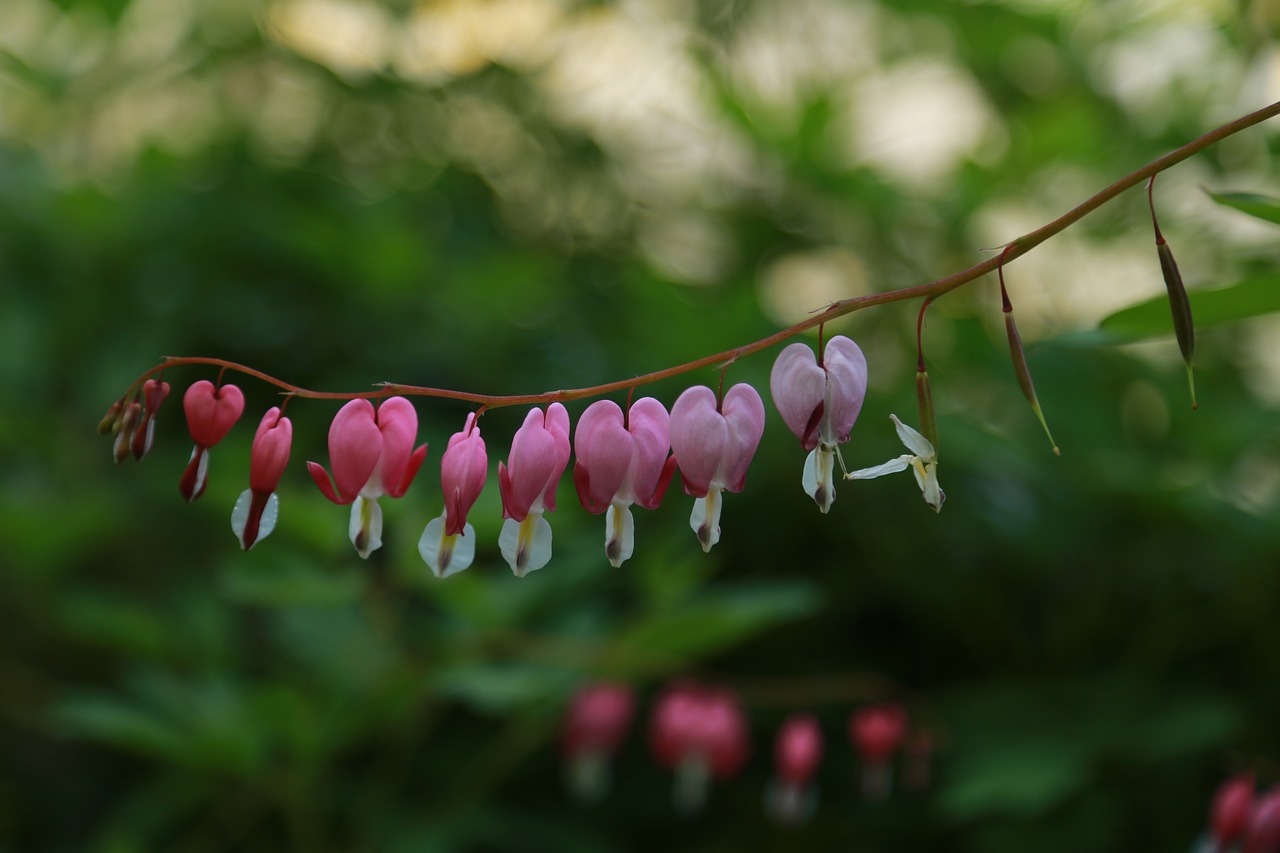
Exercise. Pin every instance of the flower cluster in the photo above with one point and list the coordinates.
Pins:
(622, 457)
(701, 733)
(1242, 820)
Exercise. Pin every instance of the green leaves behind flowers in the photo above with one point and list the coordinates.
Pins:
(1260, 206)
(1252, 297)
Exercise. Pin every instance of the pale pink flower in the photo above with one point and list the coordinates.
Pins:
(448, 544)
(820, 402)
(713, 444)
(211, 412)
(256, 510)
(539, 454)
(622, 459)
(372, 454)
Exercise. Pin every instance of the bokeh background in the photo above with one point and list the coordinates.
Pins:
(512, 196)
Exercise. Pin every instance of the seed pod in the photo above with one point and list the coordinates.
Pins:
(1019, 358)
(1180, 306)
(924, 397)
(1023, 372)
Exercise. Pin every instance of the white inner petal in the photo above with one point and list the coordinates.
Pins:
(705, 518)
(365, 528)
(915, 442)
(890, 467)
(444, 554)
(619, 534)
(526, 545)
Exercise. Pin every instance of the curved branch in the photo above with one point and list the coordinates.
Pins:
(1012, 250)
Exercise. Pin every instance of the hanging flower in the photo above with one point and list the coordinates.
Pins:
(256, 510)
(819, 401)
(448, 544)
(923, 462)
(877, 731)
(597, 720)
(797, 753)
(211, 412)
(622, 459)
(372, 455)
(701, 733)
(539, 454)
(714, 442)
(154, 393)
(1233, 805)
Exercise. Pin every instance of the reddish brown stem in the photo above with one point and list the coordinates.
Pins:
(929, 290)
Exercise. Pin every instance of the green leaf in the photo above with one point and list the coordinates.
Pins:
(1252, 297)
(120, 723)
(285, 582)
(1022, 778)
(1185, 726)
(718, 618)
(500, 688)
(1262, 206)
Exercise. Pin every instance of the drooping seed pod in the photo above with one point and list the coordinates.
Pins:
(1018, 356)
(924, 390)
(1179, 305)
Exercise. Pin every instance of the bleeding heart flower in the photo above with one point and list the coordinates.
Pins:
(211, 412)
(539, 454)
(819, 402)
(796, 753)
(713, 445)
(622, 459)
(597, 720)
(877, 731)
(1232, 808)
(448, 544)
(154, 393)
(922, 460)
(256, 510)
(700, 732)
(372, 455)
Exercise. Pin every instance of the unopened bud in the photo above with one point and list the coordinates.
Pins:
(110, 423)
(124, 436)
(154, 393)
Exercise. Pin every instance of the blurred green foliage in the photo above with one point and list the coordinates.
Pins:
(510, 198)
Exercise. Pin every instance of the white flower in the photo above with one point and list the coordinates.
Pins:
(923, 462)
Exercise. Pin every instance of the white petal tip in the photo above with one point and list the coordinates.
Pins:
(446, 554)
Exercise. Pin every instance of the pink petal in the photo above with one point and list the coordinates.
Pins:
(604, 449)
(398, 422)
(649, 425)
(270, 452)
(846, 387)
(355, 447)
(798, 749)
(699, 436)
(744, 413)
(582, 483)
(798, 386)
(463, 470)
(557, 423)
(321, 476)
(536, 463)
(211, 412)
